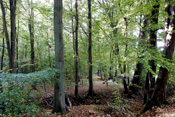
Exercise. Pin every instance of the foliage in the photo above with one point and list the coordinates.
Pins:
(17, 98)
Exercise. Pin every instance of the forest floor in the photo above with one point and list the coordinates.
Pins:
(103, 104)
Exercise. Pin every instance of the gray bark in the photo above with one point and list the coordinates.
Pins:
(59, 92)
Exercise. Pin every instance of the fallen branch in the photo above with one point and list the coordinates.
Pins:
(47, 102)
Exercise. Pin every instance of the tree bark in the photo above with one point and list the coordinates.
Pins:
(76, 52)
(2, 55)
(2, 59)
(10, 44)
(90, 50)
(153, 45)
(168, 54)
(124, 66)
(59, 92)
(17, 54)
(13, 33)
(31, 31)
(158, 96)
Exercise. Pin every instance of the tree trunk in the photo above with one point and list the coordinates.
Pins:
(168, 52)
(59, 92)
(110, 11)
(158, 96)
(111, 66)
(90, 50)
(31, 31)
(139, 66)
(49, 46)
(2, 55)
(76, 52)
(124, 66)
(17, 56)
(13, 34)
(2, 59)
(153, 46)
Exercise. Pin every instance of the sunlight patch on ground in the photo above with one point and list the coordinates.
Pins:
(169, 115)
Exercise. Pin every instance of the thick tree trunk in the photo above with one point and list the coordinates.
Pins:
(153, 46)
(76, 52)
(59, 92)
(168, 52)
(90, 93)
(31, 31)
(158, 96)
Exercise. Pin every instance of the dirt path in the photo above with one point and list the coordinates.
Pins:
(103, 103)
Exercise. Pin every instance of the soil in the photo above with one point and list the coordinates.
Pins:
(107, 102)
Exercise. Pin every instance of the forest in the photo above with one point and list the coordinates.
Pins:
(87, 58)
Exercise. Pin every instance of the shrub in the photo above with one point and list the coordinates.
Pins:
(15, 100)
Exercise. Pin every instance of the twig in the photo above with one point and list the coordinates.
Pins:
(47, 102)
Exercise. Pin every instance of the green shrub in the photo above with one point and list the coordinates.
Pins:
(16, 97)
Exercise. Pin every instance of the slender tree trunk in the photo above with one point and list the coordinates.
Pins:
(25, 58)
(124, 66)
(110, 69)
(17, 64)
(31, 31)
(73, 30)
(2, 59)
(13, 33)
(90, 49)
(59, 92)
(2, 55)
(49, 46)
(76, 52)
(139, 66)
(113, 24)
(158, 96)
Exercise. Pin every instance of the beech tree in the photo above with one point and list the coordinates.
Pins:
(153, 45)
(90, 49)
(31, 31)
(158, 96)
(76, 52)
(10, 42)
(59, 92)
(139, 65)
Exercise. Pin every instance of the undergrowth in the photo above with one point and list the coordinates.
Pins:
(16, 98)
